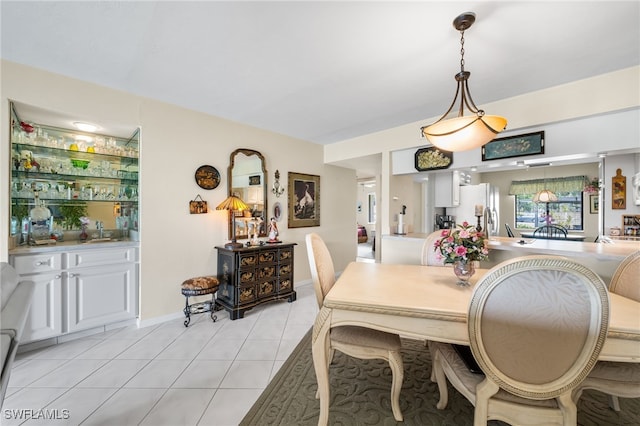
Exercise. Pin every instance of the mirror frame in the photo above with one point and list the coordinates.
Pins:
(232, 160)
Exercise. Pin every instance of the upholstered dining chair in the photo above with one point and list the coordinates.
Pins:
(429, 254)
(355, 341)
(618, 379)
(510, 233)
(536, 327)
(550, 231)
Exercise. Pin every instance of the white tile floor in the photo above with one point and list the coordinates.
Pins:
(206, 374)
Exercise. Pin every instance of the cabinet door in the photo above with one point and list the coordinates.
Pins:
(45, 316)
(101, 295)
(447, 189)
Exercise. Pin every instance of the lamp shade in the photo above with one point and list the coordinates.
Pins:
(545, 196)
(464, 133)
(232, 203)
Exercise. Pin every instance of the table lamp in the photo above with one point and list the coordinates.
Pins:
(234, 204)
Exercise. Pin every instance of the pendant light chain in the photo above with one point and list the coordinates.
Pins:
(462, 133)
(461, 51)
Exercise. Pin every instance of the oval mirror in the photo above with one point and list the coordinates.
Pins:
(247, 179)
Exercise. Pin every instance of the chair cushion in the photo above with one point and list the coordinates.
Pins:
(622, 372)
(367, 337)
(470, 380)
(200, 285)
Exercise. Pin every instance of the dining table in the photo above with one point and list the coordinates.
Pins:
(426, 303)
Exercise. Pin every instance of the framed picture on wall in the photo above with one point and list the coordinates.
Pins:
(594, 203)
(304, 200)
(514, 146)
(432, 158)
(619, 191)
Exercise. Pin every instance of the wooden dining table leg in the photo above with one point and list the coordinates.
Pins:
(320, 351)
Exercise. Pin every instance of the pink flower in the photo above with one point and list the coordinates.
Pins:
(461, 250)
(464, 234)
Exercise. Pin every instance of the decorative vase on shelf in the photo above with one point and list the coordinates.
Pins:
(464, 269)
(83, 234)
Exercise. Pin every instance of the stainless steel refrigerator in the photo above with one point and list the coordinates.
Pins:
(473, 196)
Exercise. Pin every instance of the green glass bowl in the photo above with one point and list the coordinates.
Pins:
(81, 164)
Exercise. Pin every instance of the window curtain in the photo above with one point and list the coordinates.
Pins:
(557, 185)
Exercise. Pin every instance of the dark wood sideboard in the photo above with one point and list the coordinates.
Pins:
(253, 275)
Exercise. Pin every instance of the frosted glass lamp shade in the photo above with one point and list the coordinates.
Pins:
(545, 196)
(464, 133)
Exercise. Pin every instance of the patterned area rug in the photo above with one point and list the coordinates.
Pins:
(360, 395)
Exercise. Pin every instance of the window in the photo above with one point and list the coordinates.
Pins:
(567, 211)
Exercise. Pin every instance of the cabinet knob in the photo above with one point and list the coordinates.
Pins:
(42, 263)
(58, 276)
(73, 275)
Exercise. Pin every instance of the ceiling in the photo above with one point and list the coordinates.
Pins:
(320, 71)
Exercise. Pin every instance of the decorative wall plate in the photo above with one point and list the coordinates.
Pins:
(207, 177)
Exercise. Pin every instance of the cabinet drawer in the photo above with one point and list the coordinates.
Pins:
(36, 263)
(267, 272)
(286, 255)
(285, 269)
(247, 259)
(268, 256)
(85, 258)
(246, 276)
(285, 285)
(247, 294)
(266, 288)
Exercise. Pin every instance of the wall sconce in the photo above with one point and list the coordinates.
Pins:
(277, 188)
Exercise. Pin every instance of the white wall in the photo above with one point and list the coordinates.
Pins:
(174, 143)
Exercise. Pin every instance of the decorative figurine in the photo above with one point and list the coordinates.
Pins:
(273, 231)
(256, 230)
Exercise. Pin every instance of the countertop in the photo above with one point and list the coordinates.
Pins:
(73, 245)
(612, 251)
(408, 236)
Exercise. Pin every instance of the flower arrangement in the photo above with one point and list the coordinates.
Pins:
(463, 243)
(592, 187)
(84, 222)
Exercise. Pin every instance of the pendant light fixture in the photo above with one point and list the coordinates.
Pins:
(463, 133)
(545, 196)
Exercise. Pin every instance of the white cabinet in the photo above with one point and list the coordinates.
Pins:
(447, 189)
(79, 289)
(100, 295)
(45, 316)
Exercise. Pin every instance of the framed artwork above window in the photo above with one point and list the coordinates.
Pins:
(514, 146)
